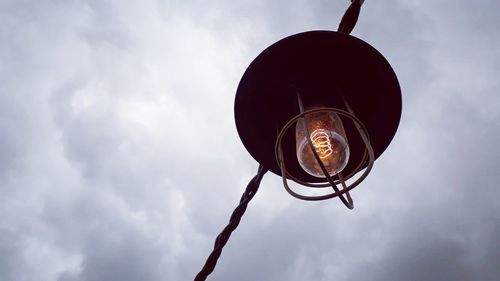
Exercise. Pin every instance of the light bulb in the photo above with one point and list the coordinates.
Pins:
(328, 139)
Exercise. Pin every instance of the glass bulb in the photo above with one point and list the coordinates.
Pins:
(328, 139)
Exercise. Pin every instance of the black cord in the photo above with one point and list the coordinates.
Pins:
(221, 240)
(346, 26)
(350, 17)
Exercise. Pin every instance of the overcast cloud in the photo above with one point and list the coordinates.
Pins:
(120, 160)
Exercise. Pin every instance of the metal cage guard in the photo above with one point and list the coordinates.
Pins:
(347, 200)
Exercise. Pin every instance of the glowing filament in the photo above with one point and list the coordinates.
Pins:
(327, 139)
(321, 142)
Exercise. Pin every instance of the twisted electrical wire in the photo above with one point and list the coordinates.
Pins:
(238, 212)
(350, 17)
(346, 26)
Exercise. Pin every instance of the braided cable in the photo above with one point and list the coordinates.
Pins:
(350, 17)
(223, 237)
(346, 26)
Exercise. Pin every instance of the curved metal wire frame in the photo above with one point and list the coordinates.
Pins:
(363, 132)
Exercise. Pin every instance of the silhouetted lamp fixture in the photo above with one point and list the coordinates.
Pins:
(316, 108)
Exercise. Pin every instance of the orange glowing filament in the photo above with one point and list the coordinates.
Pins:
(321, 142)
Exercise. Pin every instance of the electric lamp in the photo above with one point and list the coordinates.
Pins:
(316, 108)
(327, 137)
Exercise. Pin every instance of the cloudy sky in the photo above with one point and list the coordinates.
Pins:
(120, 160)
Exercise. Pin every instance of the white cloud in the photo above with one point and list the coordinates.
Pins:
(119, 158)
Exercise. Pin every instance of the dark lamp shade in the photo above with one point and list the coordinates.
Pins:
(327, 68)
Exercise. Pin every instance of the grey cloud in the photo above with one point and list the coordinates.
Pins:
(119, 159)
(11, 259)
(112, 250)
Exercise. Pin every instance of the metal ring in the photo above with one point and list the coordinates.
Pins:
(368, 150)
(325, 109)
